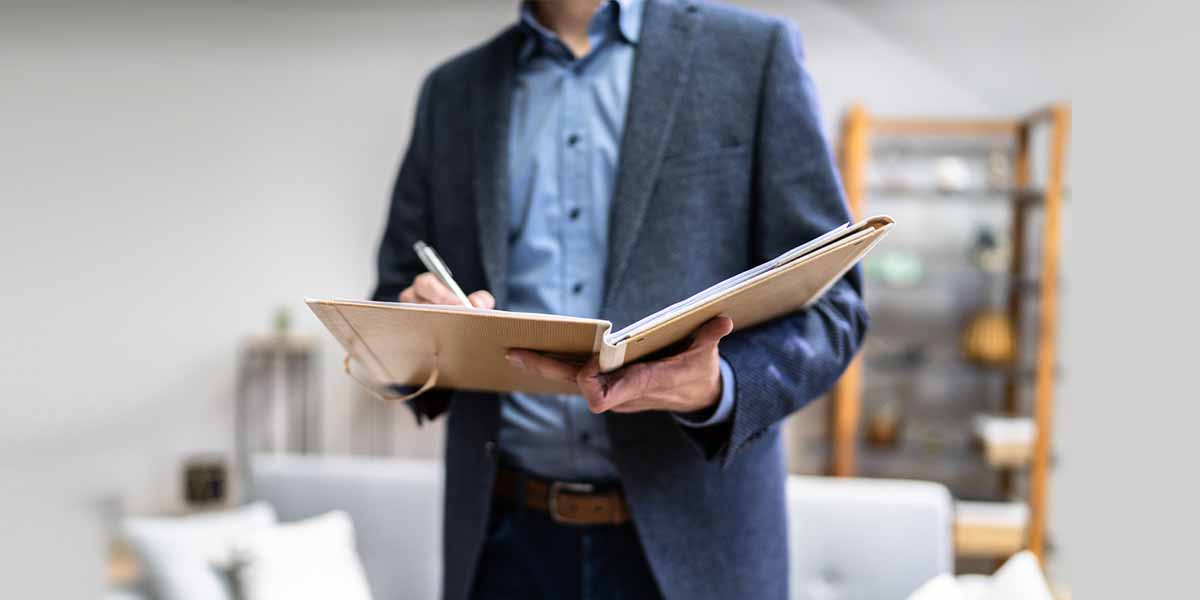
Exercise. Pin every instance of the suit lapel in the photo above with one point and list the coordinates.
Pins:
(660, 75)
(491, 113)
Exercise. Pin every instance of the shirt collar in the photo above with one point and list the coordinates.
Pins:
(628, 17)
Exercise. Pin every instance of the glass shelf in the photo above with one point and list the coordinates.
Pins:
(945, 371)
(894, 193)
(944, 278)
(962, 469)
(905, 148)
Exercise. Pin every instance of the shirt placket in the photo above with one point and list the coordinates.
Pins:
(574, 143)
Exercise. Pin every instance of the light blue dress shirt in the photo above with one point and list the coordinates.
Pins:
(567, 118)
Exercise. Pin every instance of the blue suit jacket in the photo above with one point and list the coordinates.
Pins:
(722, 166)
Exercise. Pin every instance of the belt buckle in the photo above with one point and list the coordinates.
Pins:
(557, 487)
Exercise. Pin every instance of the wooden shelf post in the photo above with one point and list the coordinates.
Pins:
(1043, 394)
(845, 397)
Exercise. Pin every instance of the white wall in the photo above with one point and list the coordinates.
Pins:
(173, 174)
(176, 172)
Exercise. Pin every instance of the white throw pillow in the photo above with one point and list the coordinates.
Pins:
(311, 559)
(1019, 579)
(975, 586)
(188, 558)
(941, 587)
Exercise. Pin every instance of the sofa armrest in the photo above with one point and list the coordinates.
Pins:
(867, 538)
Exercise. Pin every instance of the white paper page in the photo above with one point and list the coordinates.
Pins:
(463, 309)
(683, 306)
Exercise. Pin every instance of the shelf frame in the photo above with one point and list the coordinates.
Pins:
(858, 128)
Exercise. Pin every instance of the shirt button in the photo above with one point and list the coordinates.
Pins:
(572, 139)
(585, 437)
(574, 214)
(577, 288)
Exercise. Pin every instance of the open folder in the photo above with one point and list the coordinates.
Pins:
(456, 347)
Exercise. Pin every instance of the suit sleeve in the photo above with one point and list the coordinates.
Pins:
(408, 221)
(783, 365)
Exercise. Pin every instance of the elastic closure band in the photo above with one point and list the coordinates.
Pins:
(383, 392)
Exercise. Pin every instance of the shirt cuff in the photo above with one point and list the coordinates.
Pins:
(724, 405)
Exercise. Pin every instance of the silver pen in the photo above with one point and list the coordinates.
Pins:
(434, 264)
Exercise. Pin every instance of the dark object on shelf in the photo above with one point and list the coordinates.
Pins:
(884, 425)
(885, 422)
(990, 252)
(206, 480)
(909, 357)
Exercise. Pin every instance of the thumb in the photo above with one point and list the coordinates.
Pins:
(712, 331)
(482, 299)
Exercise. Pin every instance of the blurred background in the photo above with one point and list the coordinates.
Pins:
(177, 176)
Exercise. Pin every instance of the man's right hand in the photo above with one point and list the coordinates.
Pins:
(428, 289)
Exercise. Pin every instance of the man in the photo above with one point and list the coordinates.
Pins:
(606, 158)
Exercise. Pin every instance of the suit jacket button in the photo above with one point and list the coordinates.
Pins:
(489, 449)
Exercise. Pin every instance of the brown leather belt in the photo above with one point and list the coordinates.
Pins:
(567, 502)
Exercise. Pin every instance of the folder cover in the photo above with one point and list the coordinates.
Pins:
(457, 347)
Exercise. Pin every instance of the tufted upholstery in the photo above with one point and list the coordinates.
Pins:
(850, 539)
(866, 539)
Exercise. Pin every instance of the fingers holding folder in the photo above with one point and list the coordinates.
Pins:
(437, 286)
(684, 382)
(427, 288)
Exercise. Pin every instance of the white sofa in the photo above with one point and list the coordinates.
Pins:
(850, 538)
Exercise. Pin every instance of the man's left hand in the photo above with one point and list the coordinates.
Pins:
(685, 382)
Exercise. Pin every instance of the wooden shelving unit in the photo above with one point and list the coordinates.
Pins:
(1035, 300)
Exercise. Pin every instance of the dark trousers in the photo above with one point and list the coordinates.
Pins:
(527, 555)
